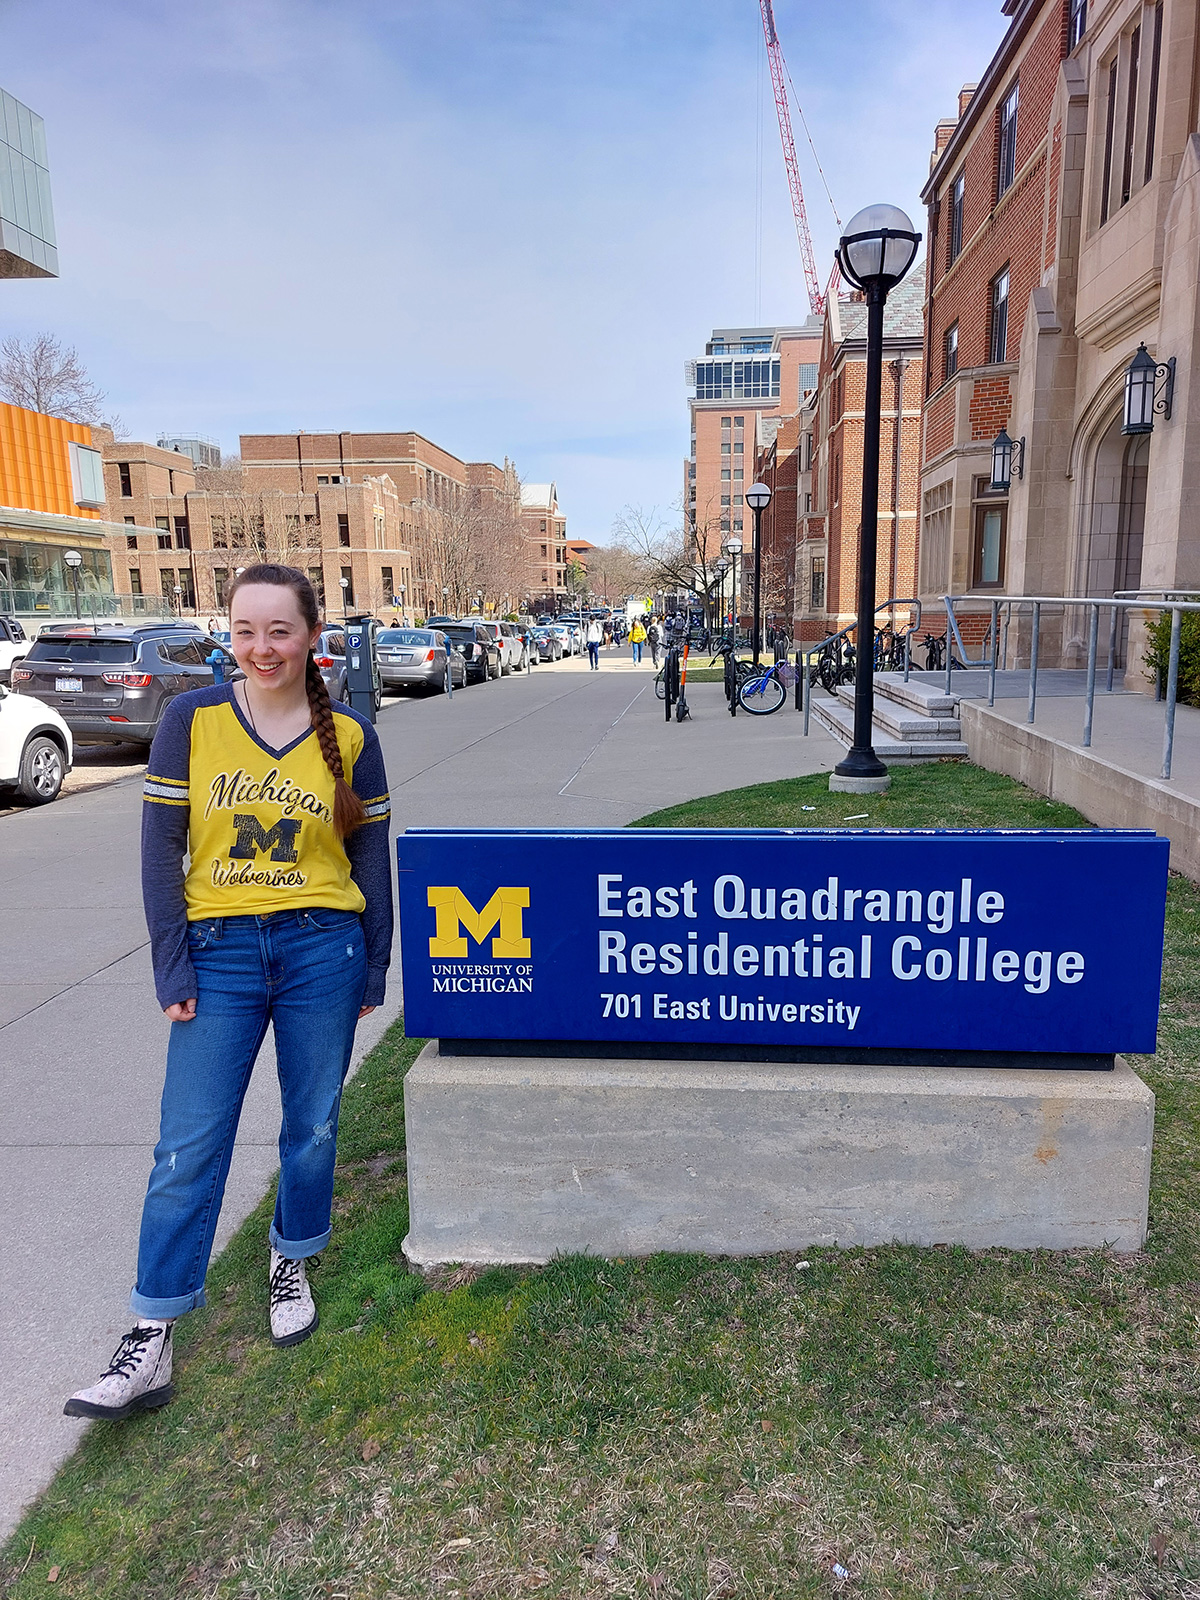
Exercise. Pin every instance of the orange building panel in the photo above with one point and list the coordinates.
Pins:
(35, 464)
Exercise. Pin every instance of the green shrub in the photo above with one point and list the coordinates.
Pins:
(1158, 655)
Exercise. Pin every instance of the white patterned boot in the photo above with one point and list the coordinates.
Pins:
(293, 1312)
(138, 1378)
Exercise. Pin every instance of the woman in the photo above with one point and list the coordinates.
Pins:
(637, 638)
(284, 917)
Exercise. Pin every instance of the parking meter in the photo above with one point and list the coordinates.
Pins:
(362, 670)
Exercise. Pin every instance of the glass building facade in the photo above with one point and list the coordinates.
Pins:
(28, 248)
(35, 581)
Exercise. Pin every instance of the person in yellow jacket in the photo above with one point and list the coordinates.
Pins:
(637, 638)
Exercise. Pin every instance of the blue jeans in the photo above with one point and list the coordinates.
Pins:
(305, 972)
(594, 654)
(637, 650)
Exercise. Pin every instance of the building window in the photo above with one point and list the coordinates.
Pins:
(131, 541)
(998, 341)
(807, 501)
(1110, 119)
(183, 538)
(990, 519)
(220, 538)
(726, 447)
(724, 474)
(166, 577)
(816, 591)
(935, 538)
(317, 578)
(126, 482)
(348, 591)
(738, 474)
(389, 587)
(379, 545)
(950, 353)
(1076, 23)
(220, 584)
(135, 581)
(739, 447)
(1006, 163)
(957, 195)
(724, 499)
(737, 524)
(739, 422)
(1152, 108)
(344, 529)
(321, 479)
(1135, 50)
(131, 522)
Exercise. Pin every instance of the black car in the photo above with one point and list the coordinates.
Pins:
(480, 652)
(111, 683)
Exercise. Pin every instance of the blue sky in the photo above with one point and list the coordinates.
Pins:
(506, 225)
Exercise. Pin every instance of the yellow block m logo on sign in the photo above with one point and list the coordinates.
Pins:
(455, 911)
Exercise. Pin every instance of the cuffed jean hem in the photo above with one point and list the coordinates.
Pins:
(166, 1310)
(299, 1249)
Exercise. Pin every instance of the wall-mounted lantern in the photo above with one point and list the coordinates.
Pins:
(1006, 454)
(1149, 387)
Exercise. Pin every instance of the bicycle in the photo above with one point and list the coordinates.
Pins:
(765, 690)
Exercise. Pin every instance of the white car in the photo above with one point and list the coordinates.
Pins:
(13, 646)
(35, 748)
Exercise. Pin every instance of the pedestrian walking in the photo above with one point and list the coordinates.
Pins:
(595, 638)
(637, 638)
(653, 639)
(284, 918)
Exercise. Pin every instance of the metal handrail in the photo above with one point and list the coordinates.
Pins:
(803, 691)
(1125, 600)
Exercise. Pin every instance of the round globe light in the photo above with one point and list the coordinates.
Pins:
(878, 246)
(758, 496)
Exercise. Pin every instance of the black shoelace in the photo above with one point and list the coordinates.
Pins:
(130, 1351)
(285, 1281)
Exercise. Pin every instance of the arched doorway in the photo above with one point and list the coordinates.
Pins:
(1117, 519)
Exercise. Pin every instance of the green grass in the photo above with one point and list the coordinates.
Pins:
(938, 1423)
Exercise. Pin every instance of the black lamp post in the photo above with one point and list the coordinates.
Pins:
(74, 561)
(758, 498)
(876, 250)
(733, 549)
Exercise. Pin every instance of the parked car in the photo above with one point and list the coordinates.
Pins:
(14, 642)
(112, 682)
(567, 636)
(419, 658)
(513, 657)
(479, 651)
(524, 632)
(548, 645)
(35, 748)
(330, 657)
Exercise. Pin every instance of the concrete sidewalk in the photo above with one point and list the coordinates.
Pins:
(82, 1040)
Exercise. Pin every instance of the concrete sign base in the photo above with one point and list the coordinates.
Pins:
(519, 1159)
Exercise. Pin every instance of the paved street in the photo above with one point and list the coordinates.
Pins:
(82, 1040)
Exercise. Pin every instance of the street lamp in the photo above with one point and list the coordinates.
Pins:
(344, 584)
(722, 566)
(733, 549)
(876, 250)
(758, 498)
(179, 600)
(1005, 456)
(74, 561)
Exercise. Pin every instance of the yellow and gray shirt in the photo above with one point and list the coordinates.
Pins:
(257, 825)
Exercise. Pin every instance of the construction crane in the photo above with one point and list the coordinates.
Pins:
(816, 299)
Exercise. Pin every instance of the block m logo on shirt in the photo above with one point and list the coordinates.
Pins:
(455, 912)
(252, 838)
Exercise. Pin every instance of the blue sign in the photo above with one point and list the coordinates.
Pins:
(1001, 942)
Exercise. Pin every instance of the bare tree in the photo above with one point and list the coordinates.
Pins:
(41, 374)
(615, 572)
(682, 559)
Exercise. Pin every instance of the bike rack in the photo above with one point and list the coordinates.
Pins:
(803, 656)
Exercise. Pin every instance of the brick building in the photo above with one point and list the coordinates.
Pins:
(182, 543)
(450, 506)
(545, 528)
(746, 374)
(1064, 231)
(829, 459)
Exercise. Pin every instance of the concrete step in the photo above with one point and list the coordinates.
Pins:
(930, 699)
(904, 723)
(838, 720)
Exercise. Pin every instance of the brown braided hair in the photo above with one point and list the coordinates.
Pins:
(348, 809)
